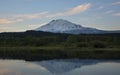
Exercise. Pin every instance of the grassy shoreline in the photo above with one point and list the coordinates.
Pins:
(45, 53)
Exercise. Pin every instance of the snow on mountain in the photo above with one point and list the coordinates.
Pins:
(64, 26)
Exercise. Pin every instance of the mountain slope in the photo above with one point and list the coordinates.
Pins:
(64, 26)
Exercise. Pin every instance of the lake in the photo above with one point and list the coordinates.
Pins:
(60, 67)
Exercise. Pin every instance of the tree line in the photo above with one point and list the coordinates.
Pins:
(37, 38)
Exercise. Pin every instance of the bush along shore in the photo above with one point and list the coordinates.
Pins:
(42, 45)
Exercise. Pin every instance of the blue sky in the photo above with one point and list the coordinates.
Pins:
(22, 15)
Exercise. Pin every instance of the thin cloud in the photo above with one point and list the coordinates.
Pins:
(9, 21)
(76, 10)
(110, 11)
(79, 9)
(117, 14)
(31, 16)
(5, 21)
(21, 17)
(36, 25)
(100, 7)
(116, 3)
(15, 29)
(4, 29)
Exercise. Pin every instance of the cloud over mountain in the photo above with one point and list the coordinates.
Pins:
(21, 17)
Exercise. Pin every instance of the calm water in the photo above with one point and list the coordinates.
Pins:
(60, 67)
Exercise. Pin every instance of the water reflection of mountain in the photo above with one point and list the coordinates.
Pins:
(62, 66)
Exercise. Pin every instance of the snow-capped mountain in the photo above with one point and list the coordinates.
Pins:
(64, 26)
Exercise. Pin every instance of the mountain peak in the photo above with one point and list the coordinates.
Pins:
(60, 22)
(64, 26)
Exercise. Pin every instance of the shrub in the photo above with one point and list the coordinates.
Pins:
(99, 44)
(82, 44)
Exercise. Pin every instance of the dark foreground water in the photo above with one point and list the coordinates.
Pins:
(60, 67)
